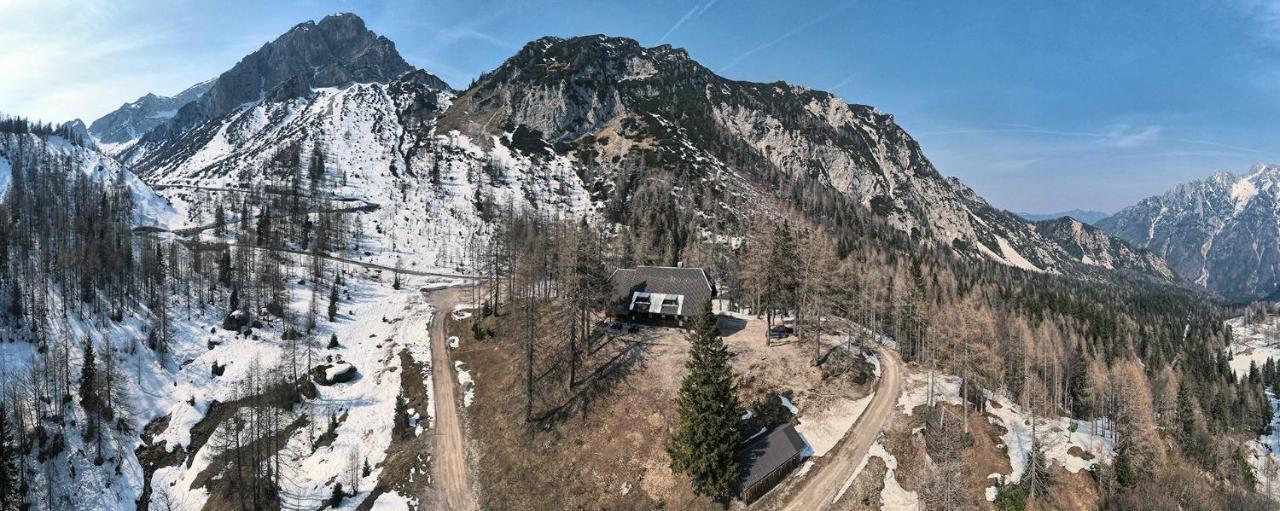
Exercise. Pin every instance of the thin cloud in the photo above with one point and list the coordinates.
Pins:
(789, 34)
(846, 81)
(1125, 137)
(696, 11)
(1122, 137)
(1266, 15)
(454, 34)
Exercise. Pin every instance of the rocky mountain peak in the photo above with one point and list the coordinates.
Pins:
(337, 51)
(1211, 231)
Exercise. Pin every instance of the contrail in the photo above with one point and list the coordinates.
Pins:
(696, 11)
(785, 36)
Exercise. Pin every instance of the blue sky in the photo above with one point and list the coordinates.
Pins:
(1038, 105)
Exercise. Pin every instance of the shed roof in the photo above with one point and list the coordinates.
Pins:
(765, 453)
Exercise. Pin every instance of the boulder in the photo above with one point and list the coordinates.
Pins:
(235, 321)
(335, 373)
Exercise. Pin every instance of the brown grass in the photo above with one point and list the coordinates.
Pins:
(593, 440)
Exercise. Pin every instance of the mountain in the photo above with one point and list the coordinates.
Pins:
(1087, 216)
(336, 52)
(595, 125)
(1222, 232)
(132, 120)
(601, 99)
(1095, 247)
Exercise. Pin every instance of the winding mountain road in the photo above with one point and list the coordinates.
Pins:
(819, 490)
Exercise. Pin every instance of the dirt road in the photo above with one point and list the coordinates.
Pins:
(450, 459)
(822, 484)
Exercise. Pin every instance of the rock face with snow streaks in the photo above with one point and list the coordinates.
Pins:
(1222, 232)
(126, 124)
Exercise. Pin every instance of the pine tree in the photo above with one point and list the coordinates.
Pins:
(705, 447)
(88, 380)
(781, 273)
(333, 302)
(1036, 477)
(219, 221)
(10, 480)
(1080, 390)
(1187, 418)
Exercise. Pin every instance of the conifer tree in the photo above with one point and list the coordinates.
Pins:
(333, 302)
(1037, 474)
(11, 494)
(88, 380)
(705, 447)
(219, 221)
(1187, 423)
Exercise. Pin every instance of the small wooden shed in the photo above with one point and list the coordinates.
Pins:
(767, 459)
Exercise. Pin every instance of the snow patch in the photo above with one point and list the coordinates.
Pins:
(823, 429)
(468, 385)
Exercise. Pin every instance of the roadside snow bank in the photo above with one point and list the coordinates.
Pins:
(468, 385)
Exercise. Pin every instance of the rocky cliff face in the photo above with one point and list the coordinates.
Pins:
(647, 133)
(1222, 232)
(133, 120)
(619, 97)
(1095, 247)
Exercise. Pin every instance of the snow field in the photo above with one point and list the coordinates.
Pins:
(368, 343)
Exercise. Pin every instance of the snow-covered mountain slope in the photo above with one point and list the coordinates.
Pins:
(335, 52)
(122, 127)
(430, 195)
(27, 151)
(1222, 232)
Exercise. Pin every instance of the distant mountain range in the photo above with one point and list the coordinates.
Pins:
(1087, 216)
(1222, 232)
(132, 120)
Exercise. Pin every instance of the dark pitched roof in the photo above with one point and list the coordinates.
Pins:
(690, 282)
(765, 453)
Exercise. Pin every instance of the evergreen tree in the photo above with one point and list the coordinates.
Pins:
(781, 275)
(705, 447)
(1187, 421)
(11, 494)
(1081, 394)
(219, 221)
(88, 380)
(333, 302)
(264, 227)
(1126, 473)
(1036, 477)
